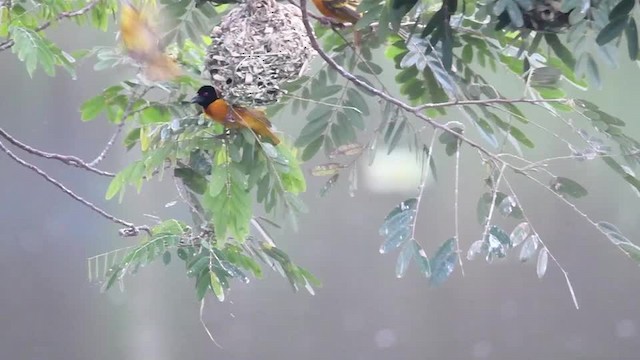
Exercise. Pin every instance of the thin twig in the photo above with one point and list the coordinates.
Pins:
(361, 84)
(205, 325)
(63, 15)
(108, 146)
(423, 184)
(564, 272)
(125, 115)
(130, 230)
(496, 185)
(486, 102)
(456, 199)
(324, 103)
(66, 159)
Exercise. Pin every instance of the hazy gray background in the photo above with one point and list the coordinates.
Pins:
(49, 310)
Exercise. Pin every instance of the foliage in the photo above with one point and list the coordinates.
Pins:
(441, 55)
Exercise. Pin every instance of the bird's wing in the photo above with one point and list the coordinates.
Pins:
(346, 10)
(248, 116)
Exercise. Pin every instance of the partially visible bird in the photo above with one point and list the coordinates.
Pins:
(344, 11)
(142, 43)
(232, 116)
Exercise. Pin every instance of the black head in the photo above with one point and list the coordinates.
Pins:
(206, 95)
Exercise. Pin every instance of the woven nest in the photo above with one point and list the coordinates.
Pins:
(258, 45)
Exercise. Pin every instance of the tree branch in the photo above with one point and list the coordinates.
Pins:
(486, 102)
(125, 115)
(363, 85)
(130, 228)
(66, 159)
(63, 15)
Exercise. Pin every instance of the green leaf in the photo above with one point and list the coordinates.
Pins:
(566, 186)
(612, 30)
(632, 38)
(623, 8)
(327, 169)
(467, 54)
(620, 170)
(608, 227)
(404, 258)
(520, 233)
(397, 10)
(543, 259)
(559, 49)
(396, 136)
(397, 226)
(216, 286)
(443, 262)
(90, 109)
(132, 138)
(321, 92)
(115, 186)
(313, 130)
(192, 179)
(329, 184)
(357, 101)
(231, 210)
(436, 21)
(501, 235)
(631, 249)
(202, 285)
(450, 141)
(155, 114)
(311, 149)
(422, 259)
(529, 248)
(370, 68)
(166, 257)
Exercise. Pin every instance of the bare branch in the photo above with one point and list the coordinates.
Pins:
(130, 228)
(66, 159)
(109, 144)
(63, 15)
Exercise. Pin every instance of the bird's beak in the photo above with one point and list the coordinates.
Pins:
(196, 99)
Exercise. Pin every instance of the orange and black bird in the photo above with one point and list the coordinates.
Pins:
(232, 116)
(142, 43)
(344, 11)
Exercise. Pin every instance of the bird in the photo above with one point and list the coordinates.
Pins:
(142, 43)
(344, 11)
(233, 116)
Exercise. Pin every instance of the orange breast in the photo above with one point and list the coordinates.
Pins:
(324, 10)
(217, 110)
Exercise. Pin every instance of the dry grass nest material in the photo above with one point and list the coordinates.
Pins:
(258, 45)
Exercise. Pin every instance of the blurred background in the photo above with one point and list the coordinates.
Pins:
(49, 309)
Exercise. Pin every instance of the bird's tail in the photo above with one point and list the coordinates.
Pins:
(270, 135)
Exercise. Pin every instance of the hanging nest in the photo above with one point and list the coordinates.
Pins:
(258, 45)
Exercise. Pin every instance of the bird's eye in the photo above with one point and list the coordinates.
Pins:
(206, 93)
